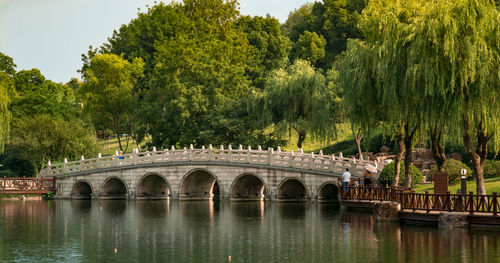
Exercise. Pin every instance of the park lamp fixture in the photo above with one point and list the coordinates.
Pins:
(464, 173)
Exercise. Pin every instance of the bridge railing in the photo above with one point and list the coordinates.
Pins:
(30, 183)
(300, 160)
(470, 203)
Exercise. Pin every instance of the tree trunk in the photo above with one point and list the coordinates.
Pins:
(108, 147)
(480, 153)
(399, 157)
(302, 137)
(358, 136)
(438, 153)
(409, 133)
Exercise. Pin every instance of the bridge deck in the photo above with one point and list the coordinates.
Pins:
(479, 209)
(316, 163)
(27, 185)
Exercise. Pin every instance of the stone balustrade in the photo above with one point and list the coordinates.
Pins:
(269, 158)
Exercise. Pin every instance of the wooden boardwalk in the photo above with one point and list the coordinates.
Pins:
(35, 185)
(479, 209)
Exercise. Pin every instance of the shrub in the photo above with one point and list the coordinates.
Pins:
(7, 173)
(387, 175)
(452, 167)
(491, 168)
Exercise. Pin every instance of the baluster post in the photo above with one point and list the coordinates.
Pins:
(448, 201)
(291, 158)
(270, 156)
(229, 153)
(65, 167)
(471, 202)
(249, 154)
(494, 203)
(210, 152)
(191, 148)
(172, 152)
(311, 163)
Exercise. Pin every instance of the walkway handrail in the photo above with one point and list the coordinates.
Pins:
(27, 183)
(470, 203)
(300, 160)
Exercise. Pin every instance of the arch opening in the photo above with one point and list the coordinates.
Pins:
(248, 187)
(114, 188)
(153, 186)
(199, 184)
(328, 193)
(81, 190)
(292, 189)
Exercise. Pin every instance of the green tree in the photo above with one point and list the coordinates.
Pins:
(299, 99)
(42, 138)
(198, 65)
(7, 91)
(426, 69)
(36, 95)
(310, 46)
(107, 93)
(268, 47)
(334, 20)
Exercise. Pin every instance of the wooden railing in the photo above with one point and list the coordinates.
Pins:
(470, 203)
(299, 160)
(27, 185)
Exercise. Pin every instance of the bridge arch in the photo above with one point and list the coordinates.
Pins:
(153, 186)
(248, 186)
(114, 188)
(82, 189)
(328, 192)
(292, 189)
(200, 184)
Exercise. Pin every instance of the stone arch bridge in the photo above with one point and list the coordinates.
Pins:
(194, 174)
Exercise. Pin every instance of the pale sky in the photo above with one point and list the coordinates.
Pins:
(51, 35)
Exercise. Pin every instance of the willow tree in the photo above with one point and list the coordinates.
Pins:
(456, 64)
(472, 42)
(436, 63)
(299, 99)
(7, 69)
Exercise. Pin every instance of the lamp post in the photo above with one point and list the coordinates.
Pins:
(464, 181)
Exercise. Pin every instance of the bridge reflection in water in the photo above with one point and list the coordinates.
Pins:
(163, 231)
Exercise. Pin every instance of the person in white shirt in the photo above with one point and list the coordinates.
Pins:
(346, 178)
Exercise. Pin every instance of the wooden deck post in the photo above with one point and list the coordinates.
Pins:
(494, 202)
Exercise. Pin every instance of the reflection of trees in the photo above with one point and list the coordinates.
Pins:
(163, 231)
(247, 209)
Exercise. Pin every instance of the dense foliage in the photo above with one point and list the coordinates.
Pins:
(453, 168)
(491, 168)
(387, 175)
(197, 72)
(299, 99)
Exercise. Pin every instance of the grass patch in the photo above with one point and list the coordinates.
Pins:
(492, 185)
(114, 146)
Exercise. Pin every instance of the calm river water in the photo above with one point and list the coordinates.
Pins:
(172, 231)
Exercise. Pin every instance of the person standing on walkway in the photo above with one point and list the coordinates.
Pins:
(346, 178)
(367, 178)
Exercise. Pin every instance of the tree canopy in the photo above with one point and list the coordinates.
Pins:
(425, 62)
(108, 93)
(299, 99)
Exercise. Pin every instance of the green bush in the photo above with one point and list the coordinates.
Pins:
(7, 173)
(387, 175)
(491, 168)
(452, 167)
